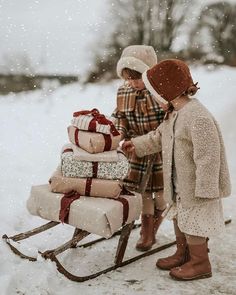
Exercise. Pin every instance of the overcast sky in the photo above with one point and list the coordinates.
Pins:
(57, 34)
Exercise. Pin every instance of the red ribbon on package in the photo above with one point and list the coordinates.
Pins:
(125, 203)
(97, 117)
(95, 169)
(107, 140)
(66, 201)
(88, 186)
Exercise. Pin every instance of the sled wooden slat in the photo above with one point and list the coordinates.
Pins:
(80, 235)
(32, 232)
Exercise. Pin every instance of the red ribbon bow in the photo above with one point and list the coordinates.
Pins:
(97, 117)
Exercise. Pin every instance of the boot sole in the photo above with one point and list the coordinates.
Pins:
(162, 268)
(205, 276)
(143, 249)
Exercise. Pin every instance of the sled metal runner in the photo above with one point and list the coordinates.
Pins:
(72, 243)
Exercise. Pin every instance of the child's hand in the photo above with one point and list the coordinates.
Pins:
(128, 147)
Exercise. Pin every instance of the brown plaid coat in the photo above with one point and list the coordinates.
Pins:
(137, 114)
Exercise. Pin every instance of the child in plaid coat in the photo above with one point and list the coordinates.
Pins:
(136, 114)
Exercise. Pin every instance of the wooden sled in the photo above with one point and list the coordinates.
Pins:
(77, 237)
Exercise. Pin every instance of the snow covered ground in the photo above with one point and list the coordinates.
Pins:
(33, 130)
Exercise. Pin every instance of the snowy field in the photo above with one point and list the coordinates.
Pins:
(33, 130)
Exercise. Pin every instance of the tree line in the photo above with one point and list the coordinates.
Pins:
(209, 36)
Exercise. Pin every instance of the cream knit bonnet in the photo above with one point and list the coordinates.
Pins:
(136, 57)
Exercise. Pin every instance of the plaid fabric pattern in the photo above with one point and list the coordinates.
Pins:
(136, 114)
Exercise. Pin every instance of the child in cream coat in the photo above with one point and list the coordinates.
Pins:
(195, 169)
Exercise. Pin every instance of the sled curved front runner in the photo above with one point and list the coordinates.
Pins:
(77, 237)
(26, 235)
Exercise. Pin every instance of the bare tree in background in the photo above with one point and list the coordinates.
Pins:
(149, 22)
(214, 36)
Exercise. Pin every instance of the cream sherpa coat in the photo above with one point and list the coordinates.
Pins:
(192, 143)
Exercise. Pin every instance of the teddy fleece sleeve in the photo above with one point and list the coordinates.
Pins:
(148, 144)
(206, 155)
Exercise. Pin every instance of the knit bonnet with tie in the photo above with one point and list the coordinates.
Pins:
(168, 80)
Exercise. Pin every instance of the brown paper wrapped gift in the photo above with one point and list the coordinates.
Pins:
(85, 186)
(99, 216)
(93, 142)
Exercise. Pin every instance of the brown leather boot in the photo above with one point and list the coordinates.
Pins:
(198, 267)
(180, 257)
(157, 219)
(147, 238)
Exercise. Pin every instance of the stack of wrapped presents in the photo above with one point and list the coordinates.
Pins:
(86, 189)
(91, 163)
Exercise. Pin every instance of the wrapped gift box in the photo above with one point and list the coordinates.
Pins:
(93, 142)
(72, 167)
(93, 121)
(82, 155)
(85, 186)
(99, 216)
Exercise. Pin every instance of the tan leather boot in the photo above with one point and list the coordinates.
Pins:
(147, 238)
(180, 257)
(198, 267)
(157, 219)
